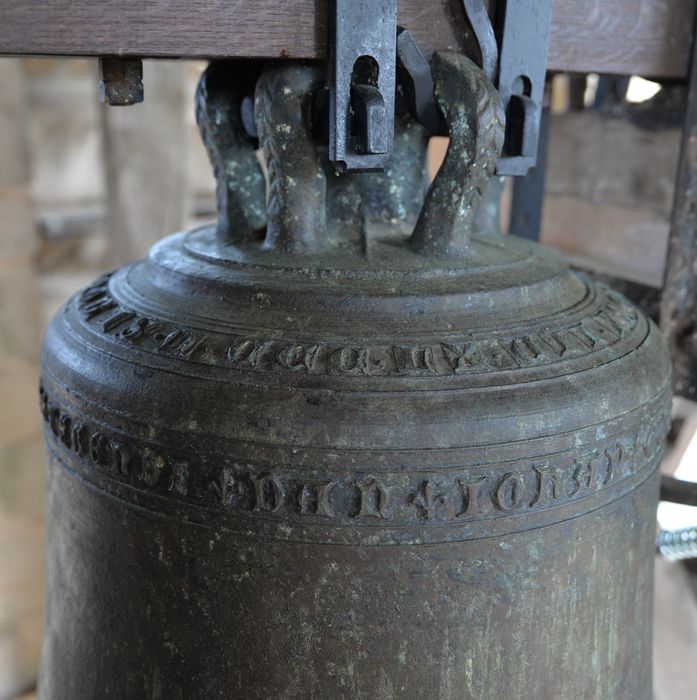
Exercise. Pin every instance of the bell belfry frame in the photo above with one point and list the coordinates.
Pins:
(313, 497)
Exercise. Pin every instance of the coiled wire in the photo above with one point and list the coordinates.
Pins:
(676, 545)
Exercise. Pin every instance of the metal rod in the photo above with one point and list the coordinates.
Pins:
(677, 491)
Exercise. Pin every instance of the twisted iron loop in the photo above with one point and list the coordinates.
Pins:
(241, 189)
(476, 123)
(296, 212)
(298, 191)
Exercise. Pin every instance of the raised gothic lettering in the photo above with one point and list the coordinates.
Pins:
(614, 457)
(313, 499)
(549, 485)
(118, 319)
(269, 492)
(585, 475)
(473, 500)
(100, 450)
(427, 501)
(121, 458)
(153, 466)
(139, 329)
(449, 357)
(442, 497)
(65, 430)
(373, 499)
(509, 492)
(80, 439)
(179, 482)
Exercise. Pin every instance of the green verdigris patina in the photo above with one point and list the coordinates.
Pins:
(311, 453)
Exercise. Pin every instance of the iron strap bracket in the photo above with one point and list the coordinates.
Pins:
(367, 50)
(522, 34)
(362, 83)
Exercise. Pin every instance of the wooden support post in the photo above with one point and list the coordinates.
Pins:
(21, 451)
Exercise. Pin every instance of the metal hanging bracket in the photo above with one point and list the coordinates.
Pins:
(362, 83)
(367, 49)
(522, 33)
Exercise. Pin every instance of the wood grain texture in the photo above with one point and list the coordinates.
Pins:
(649, 37)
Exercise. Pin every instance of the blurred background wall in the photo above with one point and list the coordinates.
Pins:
(84, 187)
(21, 489)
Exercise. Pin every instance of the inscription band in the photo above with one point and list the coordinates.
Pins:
(609, 324)
(310, 504)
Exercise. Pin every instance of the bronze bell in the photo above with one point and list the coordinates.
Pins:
(318, 451)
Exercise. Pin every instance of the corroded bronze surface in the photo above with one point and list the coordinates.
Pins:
(354, 467)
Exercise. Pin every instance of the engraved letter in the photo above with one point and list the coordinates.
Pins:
(585, 475)
(509, 492)
(615, 458)
(65, 430)
(121, 457)
(313, 499)
(179, 482)
(118, 319)
(79, 440)
(373, 499)
(549, 488)
(293, 357)
(269, 493)
(426, 501)
(153, 465)
(226, 487)
(472, 502)
(524, 350)
(100, 450)
(139, 329)
(240, 351)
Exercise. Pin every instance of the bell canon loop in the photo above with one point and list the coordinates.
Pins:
(349, 442)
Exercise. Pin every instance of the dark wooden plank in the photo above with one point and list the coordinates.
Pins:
(650, 37)
(645, 37)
